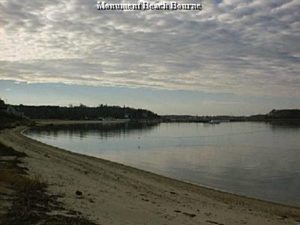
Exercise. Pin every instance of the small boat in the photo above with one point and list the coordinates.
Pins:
(214, 122)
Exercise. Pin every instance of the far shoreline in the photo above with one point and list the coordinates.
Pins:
(43, 122)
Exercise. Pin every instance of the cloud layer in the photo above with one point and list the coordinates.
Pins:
(250, 46)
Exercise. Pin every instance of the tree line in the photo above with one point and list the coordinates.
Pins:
(83, 112)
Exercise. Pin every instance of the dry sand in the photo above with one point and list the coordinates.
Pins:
(116, 194)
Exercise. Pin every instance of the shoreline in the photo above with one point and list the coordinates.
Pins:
(203, 187)
(75, 122)
(154, 198)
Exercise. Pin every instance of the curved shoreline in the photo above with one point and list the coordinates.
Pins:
(165, 200)
(203, 187)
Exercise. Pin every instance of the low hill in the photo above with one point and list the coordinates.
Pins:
(277, 114)
(85, 113)
(284, 114)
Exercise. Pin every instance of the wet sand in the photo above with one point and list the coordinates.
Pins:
(111, 193)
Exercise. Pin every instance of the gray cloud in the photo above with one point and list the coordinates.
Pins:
(232, 46)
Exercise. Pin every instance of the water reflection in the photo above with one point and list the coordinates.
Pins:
(255, 159)
(101, 130)
(291, 125)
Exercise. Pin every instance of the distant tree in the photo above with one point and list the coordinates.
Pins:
(2, 103)
(84, 112)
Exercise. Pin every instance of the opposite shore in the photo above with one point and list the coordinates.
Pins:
(111, 193)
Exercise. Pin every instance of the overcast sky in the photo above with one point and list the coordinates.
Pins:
(234, 57)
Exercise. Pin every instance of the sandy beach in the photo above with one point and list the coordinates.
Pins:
(114, 194)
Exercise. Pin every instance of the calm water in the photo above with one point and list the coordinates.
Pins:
(255, 159)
